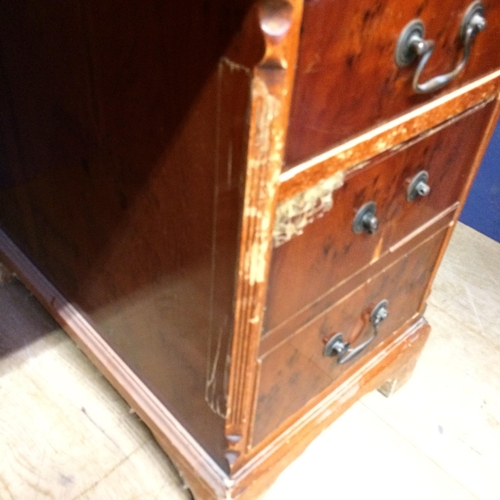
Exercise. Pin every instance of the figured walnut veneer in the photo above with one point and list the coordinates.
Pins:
(146, 148)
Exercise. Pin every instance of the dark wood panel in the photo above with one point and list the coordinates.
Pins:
(309, 265)
(296, 372)
(347, 80)
(125, 146)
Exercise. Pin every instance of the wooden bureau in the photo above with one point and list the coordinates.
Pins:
(236, 208)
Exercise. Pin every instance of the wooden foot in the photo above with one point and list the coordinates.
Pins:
(399, 379)
(405, 366)
(185, 485)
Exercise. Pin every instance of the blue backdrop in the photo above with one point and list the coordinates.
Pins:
(482, 208)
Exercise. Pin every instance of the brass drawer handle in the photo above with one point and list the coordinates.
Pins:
(411, 44)
(337, 346)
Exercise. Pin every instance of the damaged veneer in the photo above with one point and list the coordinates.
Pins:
(294, 214)
(201, 271)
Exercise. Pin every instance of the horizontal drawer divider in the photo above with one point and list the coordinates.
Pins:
(381, 139)
(275, 337)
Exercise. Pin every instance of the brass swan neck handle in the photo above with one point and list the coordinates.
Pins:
(412, 45)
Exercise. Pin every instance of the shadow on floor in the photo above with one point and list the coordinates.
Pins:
(22, 319)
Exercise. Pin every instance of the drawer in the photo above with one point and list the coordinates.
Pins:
(346, 78)
(297, 371)
(308, 266)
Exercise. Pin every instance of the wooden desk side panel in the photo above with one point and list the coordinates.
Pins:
(124, 135)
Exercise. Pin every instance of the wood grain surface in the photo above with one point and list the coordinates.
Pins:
(142, 151)
(310, 265)
(297, 371)
(125, 132)
(273, 338)
(380, 139)
(445, 433)
(346, 61)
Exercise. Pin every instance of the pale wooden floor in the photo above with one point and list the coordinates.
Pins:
(65, 434)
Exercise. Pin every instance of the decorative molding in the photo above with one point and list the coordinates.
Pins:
(294, 214)
(232, 97)
(279, 22)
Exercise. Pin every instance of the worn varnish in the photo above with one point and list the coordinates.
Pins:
(308, 266)
(125, 136)
(347, 80)
(279, 23)
(142, 151)
(360, 149)
(297, 371)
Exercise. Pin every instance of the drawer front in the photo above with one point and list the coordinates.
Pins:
(347, 79)
(310, 265)
(297, 371)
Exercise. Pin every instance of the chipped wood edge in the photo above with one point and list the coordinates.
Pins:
(206, 479)
(390, 134)
(279, 22)
(294, 214)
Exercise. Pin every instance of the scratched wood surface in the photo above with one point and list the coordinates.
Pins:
(65, 433)
(125, 132)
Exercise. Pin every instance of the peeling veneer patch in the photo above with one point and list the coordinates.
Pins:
(293, 215)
